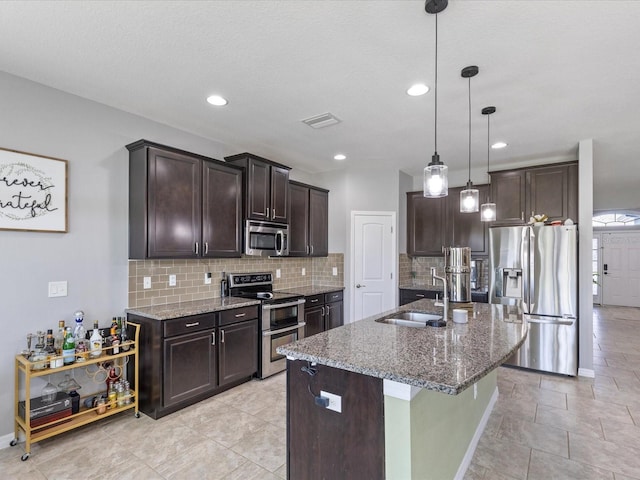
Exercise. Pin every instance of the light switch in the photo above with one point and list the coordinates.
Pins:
(58, 289)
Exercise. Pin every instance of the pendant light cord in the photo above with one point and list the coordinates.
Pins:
(435, 91)
(488, 141)
(469, 180)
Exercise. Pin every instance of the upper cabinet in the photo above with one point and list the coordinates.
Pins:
(266, 186)
(550, 189)
(182, 205)
(436, 222)
(308, 220)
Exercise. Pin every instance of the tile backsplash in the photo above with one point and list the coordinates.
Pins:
(190, 276)
(421, 268)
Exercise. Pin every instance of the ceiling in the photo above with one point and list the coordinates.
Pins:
(557, 71)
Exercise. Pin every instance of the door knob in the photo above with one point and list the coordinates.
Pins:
(360, 286)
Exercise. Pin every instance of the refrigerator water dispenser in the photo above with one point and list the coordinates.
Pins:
(510, 283)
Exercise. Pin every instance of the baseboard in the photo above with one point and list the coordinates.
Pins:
(586, 372)
(466, 460)
(5, 440)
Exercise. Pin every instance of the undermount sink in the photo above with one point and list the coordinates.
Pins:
(414, 319)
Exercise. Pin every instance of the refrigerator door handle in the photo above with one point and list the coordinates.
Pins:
(550, 321)
(524, 260)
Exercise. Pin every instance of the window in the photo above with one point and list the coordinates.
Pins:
(613, 219)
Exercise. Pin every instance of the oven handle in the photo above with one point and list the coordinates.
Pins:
(268, 333)
(283, 305)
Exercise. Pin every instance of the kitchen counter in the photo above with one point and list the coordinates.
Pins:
(312, 290)
(447, 359)
(195, 307)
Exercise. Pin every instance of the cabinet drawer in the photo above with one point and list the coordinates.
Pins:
(191, 324)
(333, 297)
(314, 300)
(238, 315)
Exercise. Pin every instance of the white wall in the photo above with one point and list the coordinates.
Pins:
(586, 159)
(92, 256)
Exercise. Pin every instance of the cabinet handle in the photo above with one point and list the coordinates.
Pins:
(196, 248)
(532, 213)
(419, 295)
(307, 249)
(322, 311)
(327, 309)
(311, 249)
(238, 315)
(206, 248)
(273, 213)
(213, 338)
(221, 336)
(194, 324)
(267, 212)
(522, 216)
(314, 300)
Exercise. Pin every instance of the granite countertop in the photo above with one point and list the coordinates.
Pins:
(312, 290)
(447, 359)
(195, 307)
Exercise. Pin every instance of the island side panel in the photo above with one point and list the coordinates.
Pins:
(322, 443)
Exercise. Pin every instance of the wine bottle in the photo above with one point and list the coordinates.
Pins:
(69, 348)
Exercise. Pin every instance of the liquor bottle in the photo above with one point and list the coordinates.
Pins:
(124, 336)
(59, 338)
(115, 340)
(52, 358)
(80, 337)
(69, 348)
(95, 342)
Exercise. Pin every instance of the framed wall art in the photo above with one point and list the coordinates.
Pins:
(33, 192)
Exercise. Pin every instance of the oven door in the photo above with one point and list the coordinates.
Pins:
(272, 362)
(276, 316)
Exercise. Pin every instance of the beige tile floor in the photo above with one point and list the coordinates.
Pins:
(543, 427)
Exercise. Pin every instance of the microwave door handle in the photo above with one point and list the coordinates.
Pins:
(279, 242)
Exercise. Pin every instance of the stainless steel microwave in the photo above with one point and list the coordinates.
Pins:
(266, 239)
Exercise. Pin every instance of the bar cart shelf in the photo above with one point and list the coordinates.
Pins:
(24, 369)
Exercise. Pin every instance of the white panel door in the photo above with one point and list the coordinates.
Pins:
(621, 269)
(374, 263)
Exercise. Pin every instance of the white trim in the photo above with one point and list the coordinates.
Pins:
(586, 372)
(399, 390)
(5, 440)
(466, 460)
(352, 266)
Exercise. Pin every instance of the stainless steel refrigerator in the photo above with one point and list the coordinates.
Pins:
(537, 269)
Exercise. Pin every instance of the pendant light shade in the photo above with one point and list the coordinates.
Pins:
(469, 197)
(436, 179)
(488, 210)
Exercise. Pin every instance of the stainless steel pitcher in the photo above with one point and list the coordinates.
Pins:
(457, 261)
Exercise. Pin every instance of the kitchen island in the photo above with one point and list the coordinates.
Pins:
(403, 407)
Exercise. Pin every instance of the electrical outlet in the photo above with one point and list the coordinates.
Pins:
(172, 280)
(304, 271)
(146, 283)
(207, 278)
(335, 271)
(58, 289)
(278, 273)
(335, 401)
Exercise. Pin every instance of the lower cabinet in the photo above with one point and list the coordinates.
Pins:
(408, 295)
(323, 311)
(187, 359)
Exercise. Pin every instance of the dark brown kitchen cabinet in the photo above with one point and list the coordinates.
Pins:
(238, 344)
(309, 221)
(408, 295)
(433, 223)
(187, 359)
(182, 205)
(426, 225)
(549, 189)
(266, 188)
(323, 311)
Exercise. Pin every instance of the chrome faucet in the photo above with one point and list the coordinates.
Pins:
(445, 295)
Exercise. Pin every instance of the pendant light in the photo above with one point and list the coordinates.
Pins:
(488, 210)
(436, 182)
(469, 197)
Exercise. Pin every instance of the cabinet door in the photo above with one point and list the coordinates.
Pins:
(174, 201)
(299, 220)
(221, 211)
(318, 223)
(258, 190)
(279, 194)
(425, 225)
(190, 366)
(334, 314)
(549, 192)
(466, 229)
(314, 319)
(508, 193)
(238, 346)
(408, 295)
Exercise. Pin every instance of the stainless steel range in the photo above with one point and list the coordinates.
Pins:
(281, 317)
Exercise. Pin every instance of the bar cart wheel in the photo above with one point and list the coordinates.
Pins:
(13, 442)
(25, 457)
(137, 415)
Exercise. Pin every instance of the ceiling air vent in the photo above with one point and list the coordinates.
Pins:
(321, 121)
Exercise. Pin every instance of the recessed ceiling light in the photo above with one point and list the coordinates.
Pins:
(339, 156)
(217, 100)
(499, 145)
(417, 90)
